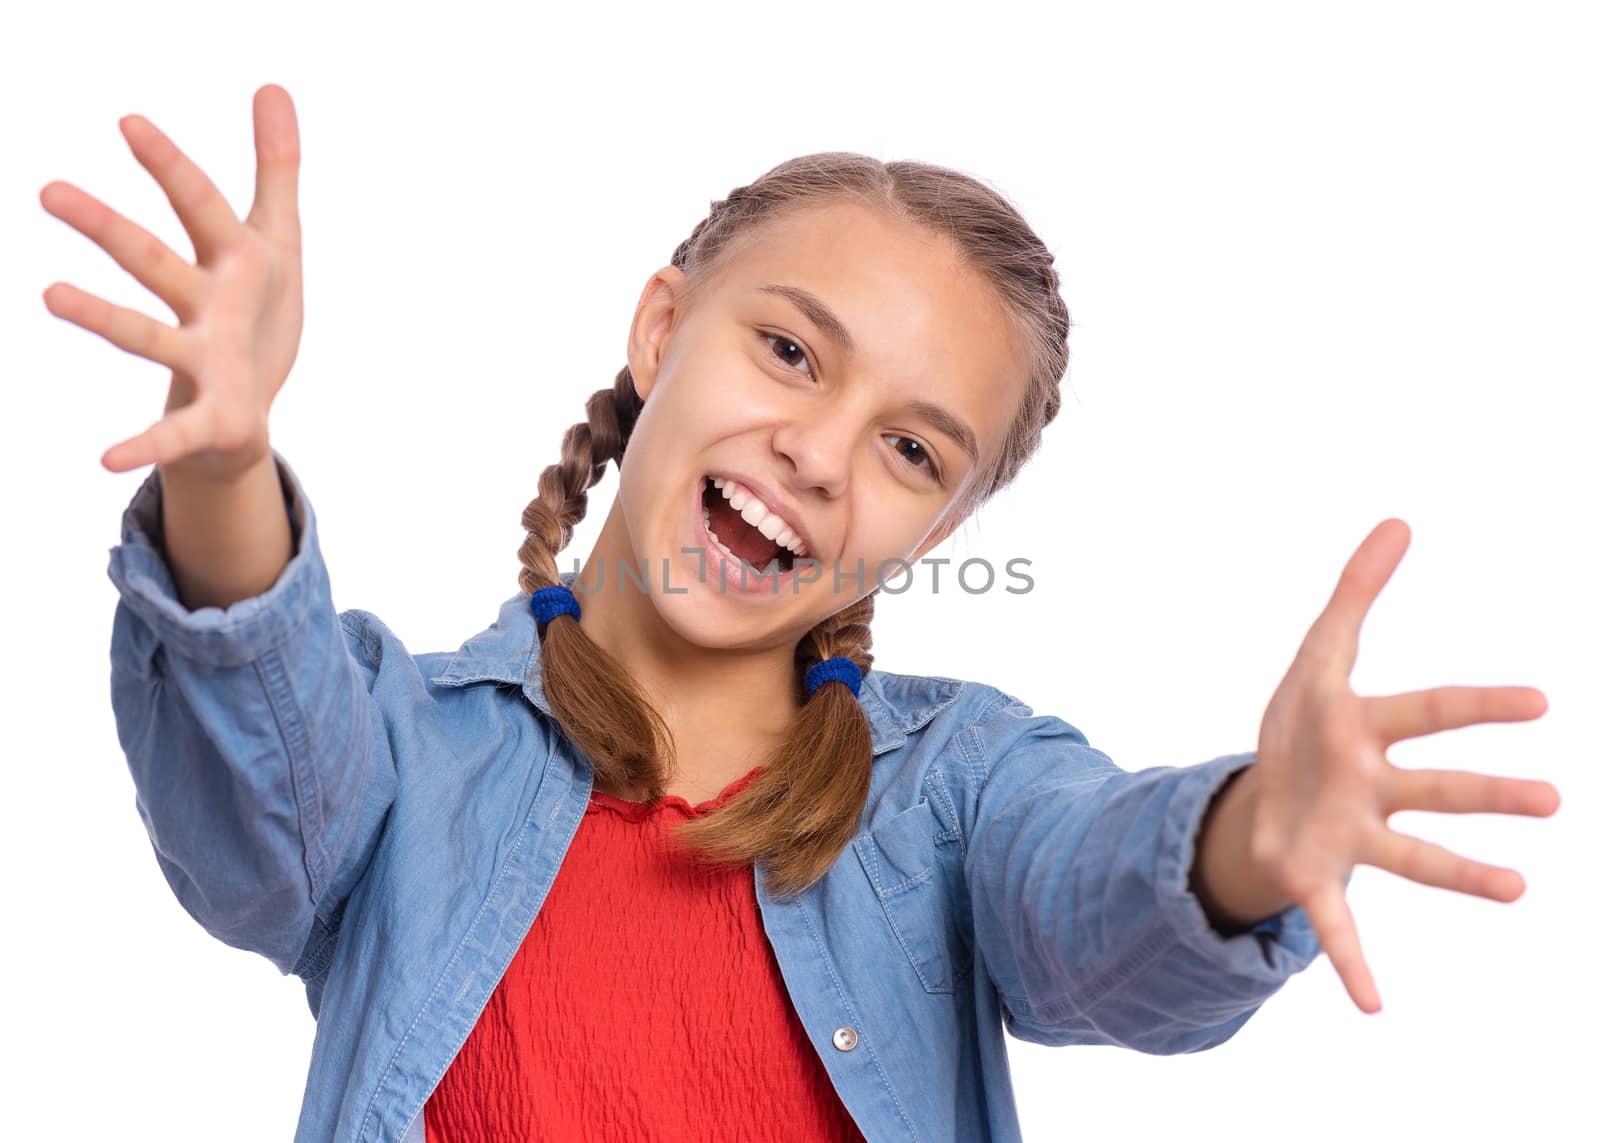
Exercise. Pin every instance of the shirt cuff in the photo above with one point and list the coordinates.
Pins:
(214, 636)
(1273, 949)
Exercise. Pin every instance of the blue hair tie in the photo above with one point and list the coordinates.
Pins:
(549, 602)
(837, 669)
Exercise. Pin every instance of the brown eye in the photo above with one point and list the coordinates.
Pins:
(916, 455)
(783, 347)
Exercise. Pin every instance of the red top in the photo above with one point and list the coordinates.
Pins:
(670, 1022)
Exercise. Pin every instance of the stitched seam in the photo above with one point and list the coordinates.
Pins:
(855, 1020)
(999, 700)
(977, 777)
(367, 749)
(274, 677)
(908, 883)
(942, 791)
(910, 953)
(867, 850)
(477, 920)
(320, 958)
(870, 853)
(930, 713)
(959, 965)
(544, 773)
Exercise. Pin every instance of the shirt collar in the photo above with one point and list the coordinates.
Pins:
(508, 652)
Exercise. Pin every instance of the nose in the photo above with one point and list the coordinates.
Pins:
(818, 451)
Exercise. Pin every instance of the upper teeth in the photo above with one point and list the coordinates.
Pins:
(759, 516)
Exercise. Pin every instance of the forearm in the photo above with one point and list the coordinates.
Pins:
(1234, 891)
(1081, 888)
(225, 540)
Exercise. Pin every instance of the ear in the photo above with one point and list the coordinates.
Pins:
(653, 320)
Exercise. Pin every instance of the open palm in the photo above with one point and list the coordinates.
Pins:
(1326, 788)
(239, 306)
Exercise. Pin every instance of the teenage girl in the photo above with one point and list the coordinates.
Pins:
(797, 898)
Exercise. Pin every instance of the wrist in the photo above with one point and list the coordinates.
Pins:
(1235, 892)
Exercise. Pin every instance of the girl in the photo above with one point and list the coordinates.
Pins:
(658, 854)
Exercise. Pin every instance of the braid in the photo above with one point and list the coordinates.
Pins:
(847, 632)
(592, 696)
(1060, 325)
(810, 796)
(807, 801)
(563, 497)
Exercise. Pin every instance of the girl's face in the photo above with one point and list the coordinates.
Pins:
(851, 377)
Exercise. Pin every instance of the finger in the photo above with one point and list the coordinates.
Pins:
(1430, 864)
(205, 214)
(1336, 931)
(277, 205)
(127, 329)
(176, 435)
(1332, 640)
(1466, 792)
(135, 249)
(1415, 713)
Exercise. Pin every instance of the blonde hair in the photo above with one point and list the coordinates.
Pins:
(804, 806)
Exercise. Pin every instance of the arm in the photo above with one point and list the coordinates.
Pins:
(260, 764)
(224, 540)
(1079, 874)
(1231, 885)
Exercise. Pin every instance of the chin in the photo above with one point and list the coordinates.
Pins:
(705, 618)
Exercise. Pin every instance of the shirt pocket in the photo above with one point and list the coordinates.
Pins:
(915, 867)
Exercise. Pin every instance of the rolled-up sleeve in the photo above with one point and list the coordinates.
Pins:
(260, 767)
(1079, 877)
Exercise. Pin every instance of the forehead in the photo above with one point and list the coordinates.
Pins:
(922, 324)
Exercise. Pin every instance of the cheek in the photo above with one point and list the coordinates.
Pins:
(643, 485)
(711, 400)
(877, 536)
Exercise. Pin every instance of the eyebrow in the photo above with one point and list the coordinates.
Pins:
(828, 322)
(950, 424)
(815, 309)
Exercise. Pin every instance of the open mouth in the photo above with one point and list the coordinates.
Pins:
(737, 537)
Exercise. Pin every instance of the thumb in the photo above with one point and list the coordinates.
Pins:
(276, 209)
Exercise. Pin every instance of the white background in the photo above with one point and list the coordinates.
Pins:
(1326, 264)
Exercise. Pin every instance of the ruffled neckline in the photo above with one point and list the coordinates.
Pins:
(639, 811)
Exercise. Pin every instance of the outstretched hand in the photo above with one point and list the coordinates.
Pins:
(239, 304)
(1325, 790)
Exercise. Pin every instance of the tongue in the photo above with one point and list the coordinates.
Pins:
(742, 540)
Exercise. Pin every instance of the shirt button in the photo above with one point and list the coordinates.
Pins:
(844, 1038)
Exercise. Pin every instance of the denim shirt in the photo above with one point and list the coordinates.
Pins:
(386, 825)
